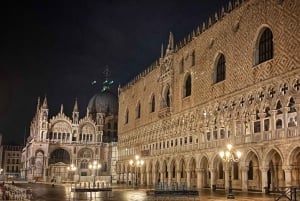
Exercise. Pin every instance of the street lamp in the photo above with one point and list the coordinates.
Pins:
(137, 163)
(229, 156)
(94, 166)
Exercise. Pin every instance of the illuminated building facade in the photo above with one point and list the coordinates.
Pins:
(235, 79)
(58, 142)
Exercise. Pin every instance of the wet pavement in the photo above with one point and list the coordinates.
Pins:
(45, 192)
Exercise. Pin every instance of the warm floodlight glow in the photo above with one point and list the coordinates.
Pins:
(221, 154)
(229, 147)
(229, 156)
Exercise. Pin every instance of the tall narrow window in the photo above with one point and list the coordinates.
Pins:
(181, 66)
(250, 171)
(279, 107)
(152, 109)
(220, 69)
(235, 171)
(291, 105)
(193, 58)
(166, 98)
(265, 46)
(138, 111)
(221, 172)
(126, 116)
(173, 172)
(187, 86)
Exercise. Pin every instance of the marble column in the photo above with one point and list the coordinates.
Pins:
(264, 177)
(148, 178)
(200, 177)
(226, 179)
(169, 178)
(288, 175)
(188, 178)
(212, 177)
(245, 179)
(154, 181)
(142, 178)
(178, 177)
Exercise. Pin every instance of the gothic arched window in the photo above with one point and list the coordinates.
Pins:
(166, 98)
(126, 116)
(220, 69)
(279, 107)
(181, 66)
(221, 172)
(235, 171)
(193, 58)
(291, 105)
(250, 171)
(187, 89)
(138, 111)
(265, 47)
(152, 104)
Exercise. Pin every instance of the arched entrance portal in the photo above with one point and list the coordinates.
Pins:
(58, 162)
(293, 170)
(275, 173)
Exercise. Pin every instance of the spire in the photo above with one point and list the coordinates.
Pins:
(171, 44)
(45, 103)
(162, 51)
(87, 111)
(75, 109)
(38, 103)
(61, 108)
(75, 113)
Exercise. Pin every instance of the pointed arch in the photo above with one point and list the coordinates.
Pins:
(187, 85)
(293, 162)
(173, 169)
(166, 97)
(263, 50)
(181, 65)
(152, 103)
(193, 55)
(126, 117)
(273, 160)
(220, 68)
(138, 110)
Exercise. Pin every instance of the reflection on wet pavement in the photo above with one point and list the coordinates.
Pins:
(44, 192)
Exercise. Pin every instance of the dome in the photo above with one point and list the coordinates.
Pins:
(104, 102)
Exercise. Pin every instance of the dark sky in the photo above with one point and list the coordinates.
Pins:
(58, 47)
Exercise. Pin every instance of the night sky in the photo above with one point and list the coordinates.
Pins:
(57, 48)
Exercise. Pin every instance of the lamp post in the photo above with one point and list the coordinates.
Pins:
(1, 170)
(230, 156)
(137, 163)
(72, 168)
(94, 166)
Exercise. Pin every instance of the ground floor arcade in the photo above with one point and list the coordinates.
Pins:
(271, 166)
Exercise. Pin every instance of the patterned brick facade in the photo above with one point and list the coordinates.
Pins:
(254, 108)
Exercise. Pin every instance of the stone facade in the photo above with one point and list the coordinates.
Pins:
(217, 86)
(57, 143)
(11, 162)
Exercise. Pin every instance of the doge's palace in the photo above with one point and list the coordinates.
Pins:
(234, 79)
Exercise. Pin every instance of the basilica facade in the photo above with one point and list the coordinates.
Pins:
(64, 149)
(235, 79)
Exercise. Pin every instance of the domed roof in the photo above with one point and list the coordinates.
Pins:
(104, 102)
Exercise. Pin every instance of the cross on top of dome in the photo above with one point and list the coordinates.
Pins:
(107, 83)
